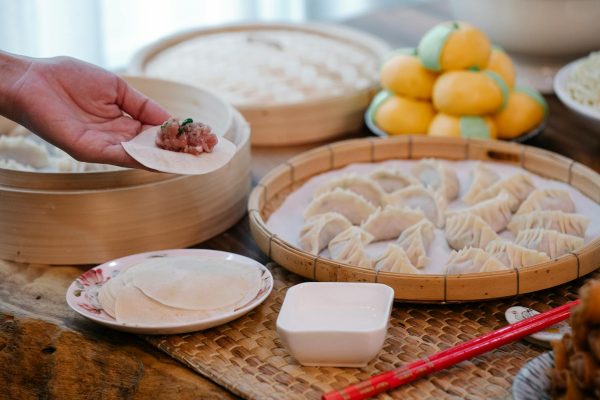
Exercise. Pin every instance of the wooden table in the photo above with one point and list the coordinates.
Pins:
(48, 351)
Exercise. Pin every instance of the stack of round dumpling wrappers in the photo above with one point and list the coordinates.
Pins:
(454, 84)
(174, 290)
(350, 212)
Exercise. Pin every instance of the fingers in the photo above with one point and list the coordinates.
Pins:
(139, 106)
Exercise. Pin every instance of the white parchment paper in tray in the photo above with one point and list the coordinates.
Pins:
(287, 220)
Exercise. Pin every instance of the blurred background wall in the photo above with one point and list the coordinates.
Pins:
(107, 32)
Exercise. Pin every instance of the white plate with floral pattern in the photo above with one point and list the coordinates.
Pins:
(82, 295)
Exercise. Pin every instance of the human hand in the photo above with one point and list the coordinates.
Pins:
(82, 109)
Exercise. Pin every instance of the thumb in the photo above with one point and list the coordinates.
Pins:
(138, 106)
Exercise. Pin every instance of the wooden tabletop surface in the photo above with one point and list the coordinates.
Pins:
(48, 351)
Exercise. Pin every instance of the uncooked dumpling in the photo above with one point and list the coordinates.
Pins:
(14, 165)
(348, 247)
(482, 177)
(416, 240)
(471, 260)
(571, 224)
(468, 230)
(433, 204)
(550, 242)
(345, 202)
(495, 212)
(394, 259)
(24, 151)
(389, 222)
(547, 200)
(362, 186)
(517, 187)
(340, 245)
(318, 231)
(391, 180)
(437, 176)
(513, 255)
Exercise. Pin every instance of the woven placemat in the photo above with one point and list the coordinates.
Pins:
(247, 357)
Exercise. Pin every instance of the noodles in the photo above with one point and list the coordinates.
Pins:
(583, 84)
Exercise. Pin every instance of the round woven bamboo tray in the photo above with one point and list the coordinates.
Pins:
(92, 217)
(294, 123)
(280, 182)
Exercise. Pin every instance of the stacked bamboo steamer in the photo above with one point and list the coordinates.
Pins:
(454, 84)
(294, 83)
(92, 217)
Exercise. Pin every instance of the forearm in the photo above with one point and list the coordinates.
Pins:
(12, 73)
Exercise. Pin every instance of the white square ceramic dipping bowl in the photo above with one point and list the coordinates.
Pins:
(335, 324)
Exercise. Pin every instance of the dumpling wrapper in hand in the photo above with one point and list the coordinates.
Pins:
(134, 307)
(144, 150)
(192, 283)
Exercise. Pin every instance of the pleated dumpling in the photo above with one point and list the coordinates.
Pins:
(318, 231)
(345, 202)
(495, 212)
(571, 224)
(389, 222)
(468, 230)
(348, 247)
(432, 204)
(514, 256)
(15, 165)
(394, 259)
(437, 176)
(391, 180)
(547, 200)
(24, 150)
(471, 260)
(365, 187)
(482, 177)
(517, 187)
(416, 240)
(550, 242)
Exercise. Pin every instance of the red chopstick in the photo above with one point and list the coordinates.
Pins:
(451, 356)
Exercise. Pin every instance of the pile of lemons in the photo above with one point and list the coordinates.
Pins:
(454, 84)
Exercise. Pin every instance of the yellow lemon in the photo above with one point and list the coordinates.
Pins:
(469, 93)
(526, 109)
(501, 64)
(397, 115)
(454, 45)
(473, 127)
(404, 75)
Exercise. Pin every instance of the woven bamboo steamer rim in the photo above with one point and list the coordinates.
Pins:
(281, 181)
(294, 123)
(124, 212)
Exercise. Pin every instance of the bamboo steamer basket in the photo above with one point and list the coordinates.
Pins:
(280, 182)
(92, 217)
(294, 123)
